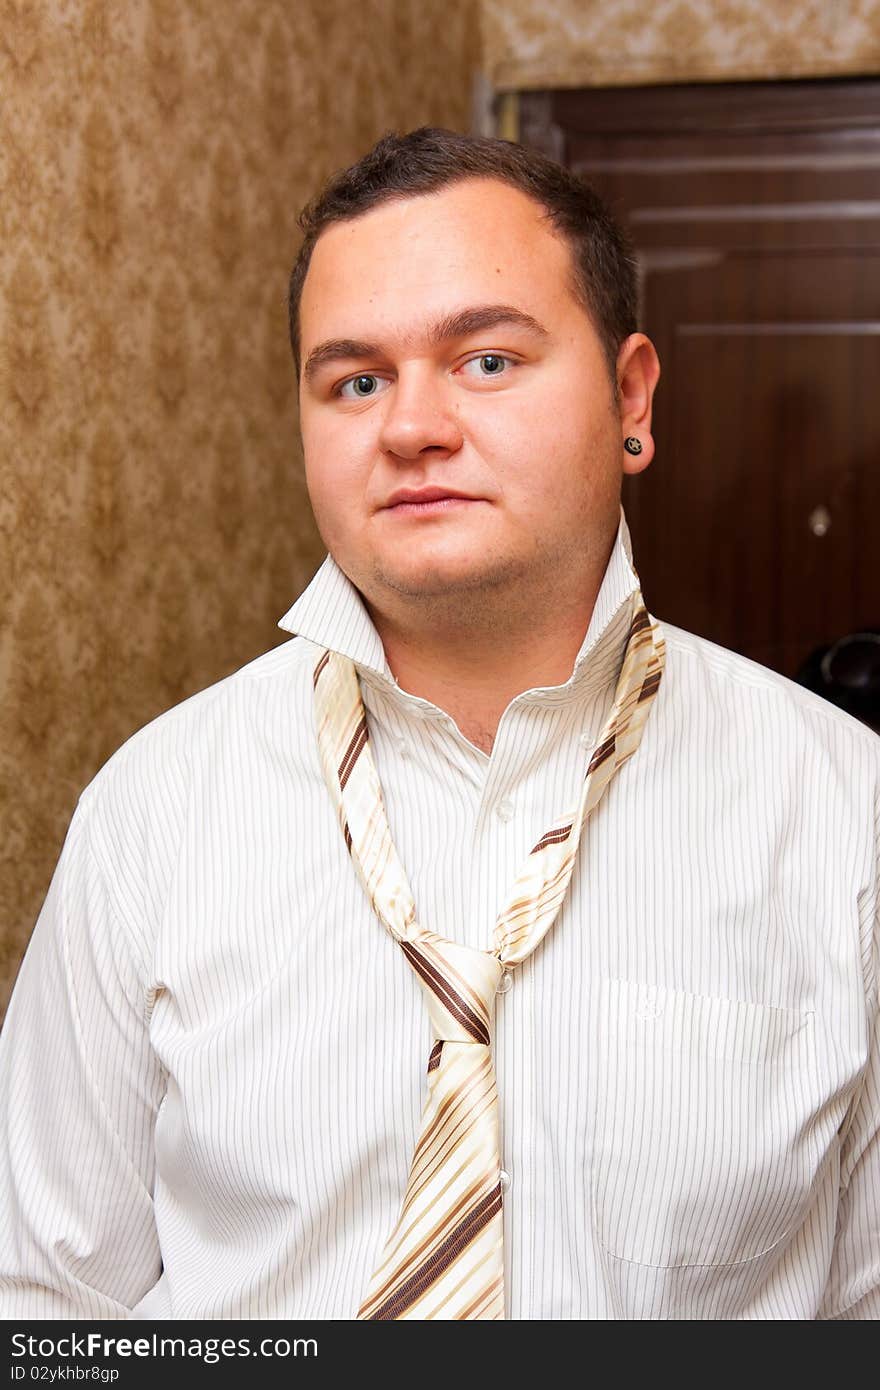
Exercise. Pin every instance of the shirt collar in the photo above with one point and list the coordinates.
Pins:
(331, 613)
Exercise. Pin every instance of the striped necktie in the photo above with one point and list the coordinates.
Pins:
(444, 1258)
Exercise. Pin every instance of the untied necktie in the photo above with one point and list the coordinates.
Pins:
(444, 1258)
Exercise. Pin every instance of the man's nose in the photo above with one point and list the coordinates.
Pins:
(419, 414)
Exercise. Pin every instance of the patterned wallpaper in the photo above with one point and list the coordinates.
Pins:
(573, 43)
(153, 157)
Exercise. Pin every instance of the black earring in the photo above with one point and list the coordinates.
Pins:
(632, 444)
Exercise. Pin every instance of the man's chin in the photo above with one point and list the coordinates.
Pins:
(432, 580)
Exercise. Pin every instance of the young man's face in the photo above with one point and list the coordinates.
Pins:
(517, 417)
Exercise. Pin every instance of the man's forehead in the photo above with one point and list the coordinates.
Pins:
(481, 229)
(411, 267)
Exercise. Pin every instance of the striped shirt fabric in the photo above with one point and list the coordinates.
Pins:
(212, 1071)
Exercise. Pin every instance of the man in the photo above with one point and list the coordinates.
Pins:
(490, 949)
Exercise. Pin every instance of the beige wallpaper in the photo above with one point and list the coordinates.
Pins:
(573, 43)
(153, 156)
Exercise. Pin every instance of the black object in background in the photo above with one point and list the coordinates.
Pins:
(848, 674)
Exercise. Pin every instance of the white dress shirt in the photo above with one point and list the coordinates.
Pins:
(214, 1062)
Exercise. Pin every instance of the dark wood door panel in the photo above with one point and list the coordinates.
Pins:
(768, 432)
(773, 190)
(723, 109)
(768, 491)
(755, 211)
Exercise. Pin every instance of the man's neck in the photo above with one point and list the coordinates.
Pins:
(472, 669)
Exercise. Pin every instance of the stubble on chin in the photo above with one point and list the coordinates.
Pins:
(495, 593)
(433, 582)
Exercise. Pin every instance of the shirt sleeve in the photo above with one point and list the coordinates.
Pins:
(853, 1287)
(80, 1089)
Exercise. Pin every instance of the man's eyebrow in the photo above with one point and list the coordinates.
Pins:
(461, 324)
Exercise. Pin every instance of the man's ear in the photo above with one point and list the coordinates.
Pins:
(638, 371)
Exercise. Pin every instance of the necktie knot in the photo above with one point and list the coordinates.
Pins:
(459, 984)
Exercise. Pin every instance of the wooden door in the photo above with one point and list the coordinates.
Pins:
(755, 212)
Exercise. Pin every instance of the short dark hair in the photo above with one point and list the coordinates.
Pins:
(427, 159)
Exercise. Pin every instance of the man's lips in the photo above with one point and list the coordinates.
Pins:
(409, 499)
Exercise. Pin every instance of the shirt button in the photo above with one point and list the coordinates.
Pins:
(505, 1180)
(504, 983)
(504, 810)
(585, 740)
(403, 748)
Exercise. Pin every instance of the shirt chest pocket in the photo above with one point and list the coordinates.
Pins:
(704, 1151)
